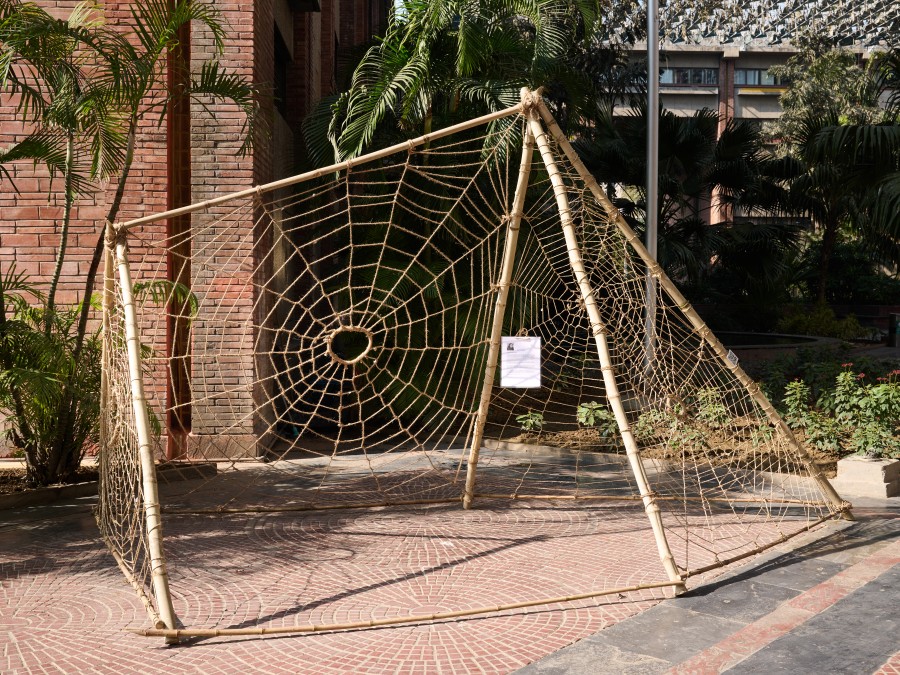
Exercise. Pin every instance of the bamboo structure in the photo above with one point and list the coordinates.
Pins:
(420, 618)
(838, 504)
(158, 572)
(561, 205)
(514, 221)
(606, 367)
(317, 173)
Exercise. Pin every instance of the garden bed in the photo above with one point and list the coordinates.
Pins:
(742, 454)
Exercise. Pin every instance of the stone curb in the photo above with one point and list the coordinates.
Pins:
(48, 495)
(165, 474)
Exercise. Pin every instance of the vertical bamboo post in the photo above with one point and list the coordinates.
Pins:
(606, 367)
(105, 357)
(514, 220)
(839, 505)
(159, 576)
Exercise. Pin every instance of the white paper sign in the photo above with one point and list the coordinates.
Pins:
(520, 362)
(731, 356)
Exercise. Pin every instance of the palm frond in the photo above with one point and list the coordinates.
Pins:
(216, 83)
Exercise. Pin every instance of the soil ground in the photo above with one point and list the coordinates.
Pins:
(589, 439)
(13, 480)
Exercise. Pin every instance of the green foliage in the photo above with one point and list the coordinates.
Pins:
(597, 416)
(83, 89)
(650, 425)
(441, 60)
(711, 408)
(845, 146)
(853, 415)
(857, 276)
(43, 381)
(821, 321)
(796, 403)
(531, 421)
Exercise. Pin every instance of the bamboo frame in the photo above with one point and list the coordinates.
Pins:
(511, 496)
(108, 300)
(759, 549)
(312, 628)
(838, 505)
(609, 379)
(317, 173)
(158, 574)
(532, 106)
(514, 221)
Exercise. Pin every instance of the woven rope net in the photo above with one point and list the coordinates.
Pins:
(340, 352)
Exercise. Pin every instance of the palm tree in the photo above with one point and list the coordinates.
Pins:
(86, 88)
(440, 60)
(693, 163)
(844, 146)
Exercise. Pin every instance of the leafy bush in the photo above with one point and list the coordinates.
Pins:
(711, 408)
(853, 415)
(821, 321)
(599, 416)
(49, 392)
(531, 421)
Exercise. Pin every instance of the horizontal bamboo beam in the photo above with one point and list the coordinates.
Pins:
(759, 549)
(318, 173)
(313, 507)
(483, 495)
(661, 498)
(420, 618)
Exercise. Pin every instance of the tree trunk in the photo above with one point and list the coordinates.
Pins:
(63, 237)
(64, 458)
(829, 239)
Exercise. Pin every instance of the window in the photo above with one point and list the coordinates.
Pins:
(689, 77)
(757, 77)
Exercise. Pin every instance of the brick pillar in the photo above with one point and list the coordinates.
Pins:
(720, 212)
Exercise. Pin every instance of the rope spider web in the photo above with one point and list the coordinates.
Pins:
(344, 330)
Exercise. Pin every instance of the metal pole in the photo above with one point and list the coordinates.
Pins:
(652, 123)
(652, 211)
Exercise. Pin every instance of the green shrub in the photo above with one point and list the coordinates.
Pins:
(531, 421)
(821, 321)
(598, 416)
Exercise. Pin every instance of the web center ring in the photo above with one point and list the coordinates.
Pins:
(336, 354)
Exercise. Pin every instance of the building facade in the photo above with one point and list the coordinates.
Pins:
(291, 50)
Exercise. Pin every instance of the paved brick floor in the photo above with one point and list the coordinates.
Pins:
(65, 606)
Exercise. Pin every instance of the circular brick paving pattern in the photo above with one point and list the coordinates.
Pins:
(64, 604)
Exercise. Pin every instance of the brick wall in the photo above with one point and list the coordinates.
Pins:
(30, 222)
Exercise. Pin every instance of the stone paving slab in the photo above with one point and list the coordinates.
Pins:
(811, 610)
(871, 615)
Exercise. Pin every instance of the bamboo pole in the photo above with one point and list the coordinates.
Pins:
(511, 496)
(606, 367)
(318, 173)
(838, 505)
(314, 507)
(158, 574)
(419, 618)
(106, 355)
(514, 221)
(635, 498)
(759, 549)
